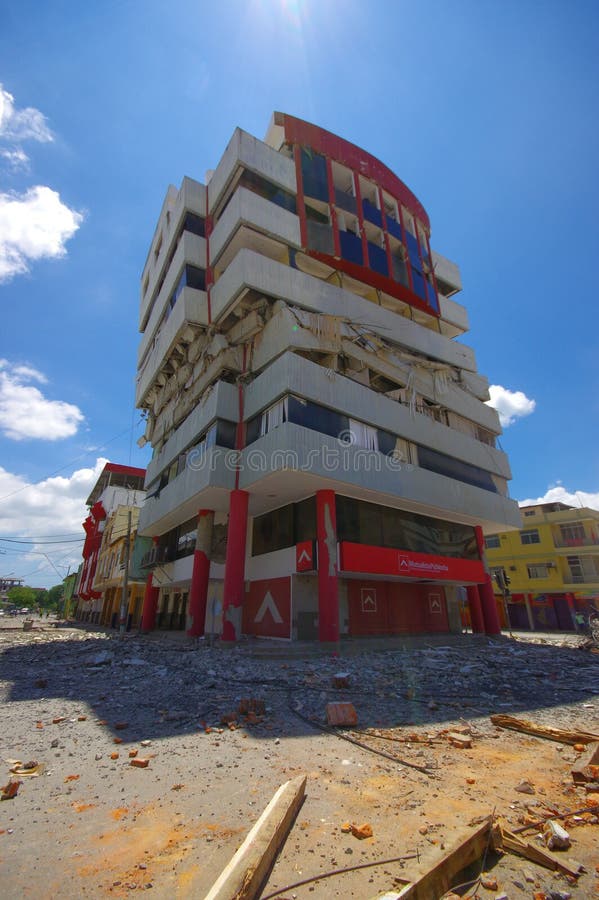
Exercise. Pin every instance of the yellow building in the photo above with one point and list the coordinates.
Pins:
(550, 567)
(110, 570)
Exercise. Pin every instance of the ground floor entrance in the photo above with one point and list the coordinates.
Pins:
(386, 607)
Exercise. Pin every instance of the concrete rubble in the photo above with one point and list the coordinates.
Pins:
(206, 735)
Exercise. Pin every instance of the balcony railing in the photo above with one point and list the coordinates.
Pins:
(585, 541)
(154, 557)
(587, 578)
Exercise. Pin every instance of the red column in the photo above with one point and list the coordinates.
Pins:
(476, 612)
(148, 615)
(328, 587)
(198, 592)
(234, 586)
(485, 590)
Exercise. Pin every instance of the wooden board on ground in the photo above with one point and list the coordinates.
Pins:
(513, 843)
(437, 880)
(244, 876)
(552, 734)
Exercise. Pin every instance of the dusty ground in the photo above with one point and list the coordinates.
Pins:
(91, 826)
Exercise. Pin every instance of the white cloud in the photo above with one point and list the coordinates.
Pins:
(510, 405)
(26, 413)
(16, 159)
(27, 124)
(54, 506)
(33, 225)
(557, 493)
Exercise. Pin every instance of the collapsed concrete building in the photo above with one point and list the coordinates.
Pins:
(324, 462)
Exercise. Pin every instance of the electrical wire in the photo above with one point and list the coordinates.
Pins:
(345, 737)
(75, 459)
(41, 543)
(333, 872)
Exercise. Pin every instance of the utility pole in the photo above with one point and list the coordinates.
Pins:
(124, 604)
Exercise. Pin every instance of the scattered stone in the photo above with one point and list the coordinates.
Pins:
(525, 787)
(139, 762)
(489, 882)
(556, 837)
(362, 831)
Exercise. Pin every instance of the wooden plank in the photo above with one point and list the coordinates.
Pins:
(244, 876)
(552, 734)
(536, 854)
(437, 880)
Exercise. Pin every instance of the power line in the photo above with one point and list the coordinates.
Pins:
(41, 543)
(26, 487)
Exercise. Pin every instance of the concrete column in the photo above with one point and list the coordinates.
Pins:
(198, 592)
(531, 620)
(328, 586)
(476, 612)
(148, 615)
(489, 607)
(234, 584)
(485, 590)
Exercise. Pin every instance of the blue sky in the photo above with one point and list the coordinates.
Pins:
(487, 110)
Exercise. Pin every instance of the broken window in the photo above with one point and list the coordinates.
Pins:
(455, 468)
(273, 416)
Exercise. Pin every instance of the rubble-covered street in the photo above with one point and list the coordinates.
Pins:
(144, 761)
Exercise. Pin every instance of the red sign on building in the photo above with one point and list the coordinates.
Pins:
(305, 557)
(425, 566)
(267, 608)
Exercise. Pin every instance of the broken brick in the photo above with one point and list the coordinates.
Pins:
(117, 740)
(339, 714)
(114, 756)
(362, 831)
(71, 778)
(133, 754)
(10, 790)
(459, 740)
(120, 726)
(139, 762)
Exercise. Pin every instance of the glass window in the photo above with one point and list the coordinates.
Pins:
(316, 417)
(194, 223)
(314, 174)
(538, 571)
(226, 433)
(455, 468)
(492, 542)
(273, 531)
(530, 536)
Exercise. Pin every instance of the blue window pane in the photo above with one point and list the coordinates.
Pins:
(394, 228)
(412, 244)
(351, 247)
(432, 296)
(314, 175)
(418, 282)
(377, 258)
(372, 213)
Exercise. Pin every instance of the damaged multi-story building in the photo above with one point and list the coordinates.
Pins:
(324, 461)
